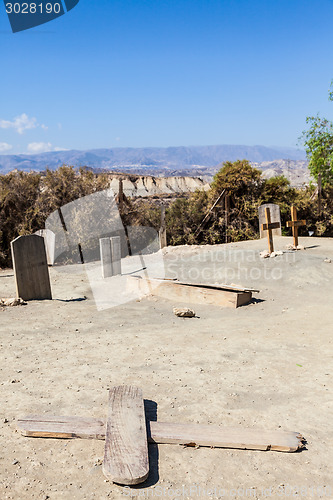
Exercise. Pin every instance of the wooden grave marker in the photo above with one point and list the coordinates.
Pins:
(295, 224)
(275, 217)
(269, 226)
(30, 268)
(126, 455)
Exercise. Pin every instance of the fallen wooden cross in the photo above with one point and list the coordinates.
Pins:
(195, 293)
(295, 224)
(126, 450)
(269, 226)
(126, 434)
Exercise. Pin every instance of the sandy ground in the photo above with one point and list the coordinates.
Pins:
(266, 365)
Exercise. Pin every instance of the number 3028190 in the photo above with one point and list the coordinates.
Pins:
(33, 8)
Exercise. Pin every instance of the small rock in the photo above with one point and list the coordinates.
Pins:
(15, 462)
(12, 302)
(328, 261)
(184, 312)
(264, 254)
(5, 420)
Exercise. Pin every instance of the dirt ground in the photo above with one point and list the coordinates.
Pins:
(266, 365)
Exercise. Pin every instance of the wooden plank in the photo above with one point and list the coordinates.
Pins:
(269, 231)
(126, 450)
(166, 433)
(295, 228)
(297, 223)
(193, 293)
(232, 288)
(61, 427)
(30, 268)
(272, 225)
(224, 437)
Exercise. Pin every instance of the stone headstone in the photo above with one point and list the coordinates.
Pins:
(30, 268)
(275, 217)
(49, 240)
(116, 255)
(110, 250)
(106, 258)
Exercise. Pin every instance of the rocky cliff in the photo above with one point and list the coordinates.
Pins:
(139, 185)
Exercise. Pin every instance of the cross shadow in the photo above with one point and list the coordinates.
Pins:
(7, 276)
(312, 246)
(255, 301)
(153, 478)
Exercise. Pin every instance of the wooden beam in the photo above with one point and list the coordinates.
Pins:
(272, 225)
(268, 227)
(166, 433)
(126, 450)
(222, 296)
(297, 223)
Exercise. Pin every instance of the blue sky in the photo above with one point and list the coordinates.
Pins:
(166, 73)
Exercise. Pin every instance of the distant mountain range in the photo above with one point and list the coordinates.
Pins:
(193, 160)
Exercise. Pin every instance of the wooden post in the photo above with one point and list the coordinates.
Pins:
(320, 188)
(227, 213)
(295, 224)
(269, 226)
(162, 231)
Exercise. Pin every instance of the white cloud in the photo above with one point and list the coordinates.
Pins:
(39, 147)
(42, 147)
(5, 147)
(21, 123)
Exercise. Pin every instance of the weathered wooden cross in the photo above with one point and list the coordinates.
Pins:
(269, 226)
(128, 430)
(295, 224)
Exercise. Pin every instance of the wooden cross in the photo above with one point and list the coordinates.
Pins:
(295, 224)
(269, 226)
(128, 429)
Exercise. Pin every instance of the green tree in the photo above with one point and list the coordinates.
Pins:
(318, 142)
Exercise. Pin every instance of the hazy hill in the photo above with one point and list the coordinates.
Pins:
(193, 160)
